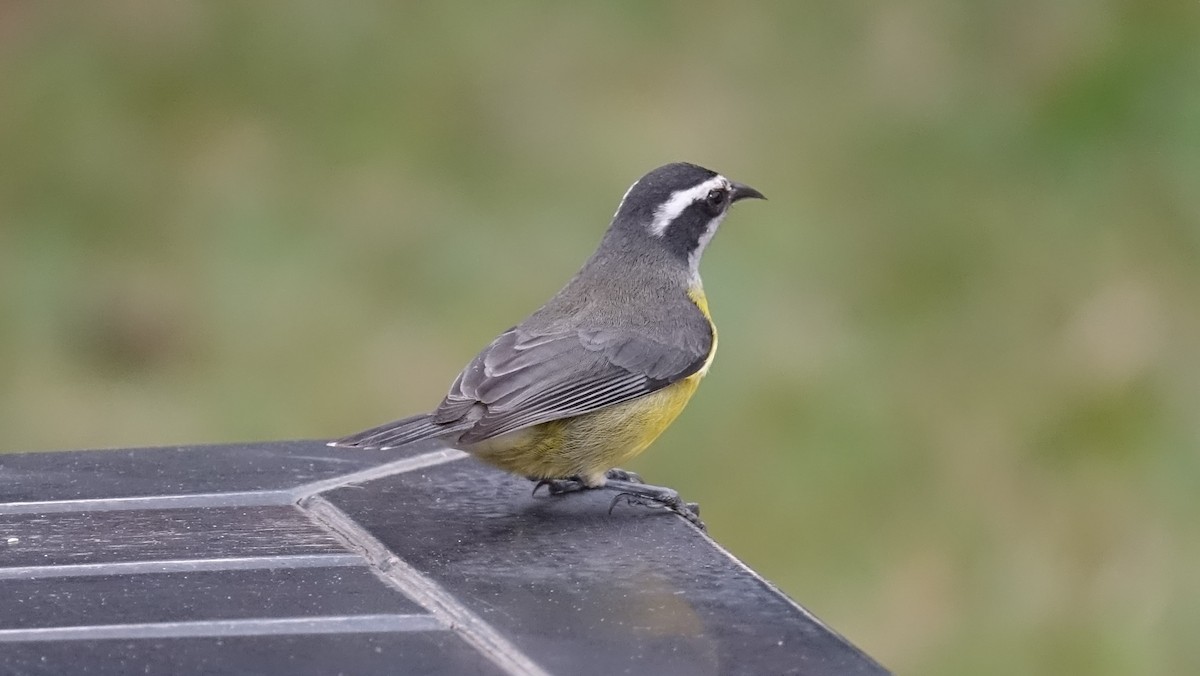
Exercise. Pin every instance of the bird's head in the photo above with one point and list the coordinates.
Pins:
(677, 208)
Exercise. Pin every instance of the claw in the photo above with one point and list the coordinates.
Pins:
(633, 500)
(688, 510)
(617, 498)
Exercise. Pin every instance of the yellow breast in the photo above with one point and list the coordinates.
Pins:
(696, 293)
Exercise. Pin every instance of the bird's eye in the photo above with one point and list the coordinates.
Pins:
(715, 199)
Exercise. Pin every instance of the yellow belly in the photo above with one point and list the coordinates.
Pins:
(589, 445)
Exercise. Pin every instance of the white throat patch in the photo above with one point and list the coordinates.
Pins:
(681, 199)
(694, 256)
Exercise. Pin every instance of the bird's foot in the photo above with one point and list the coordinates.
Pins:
(618, 474)
(631, 490)
(560, 486)
(645, 495)
(575, 484)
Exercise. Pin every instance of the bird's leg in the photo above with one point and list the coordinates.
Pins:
(618, 474)
(646, 495)
(561, 486)
(630, 489)
(558, 486)
(574, 484)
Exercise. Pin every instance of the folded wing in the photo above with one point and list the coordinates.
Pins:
(524, 379)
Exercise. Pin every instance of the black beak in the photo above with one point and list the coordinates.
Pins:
(741, 191)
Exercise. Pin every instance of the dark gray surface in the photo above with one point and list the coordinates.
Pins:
(303, 655)
(638, 590)
(61, 538)
(177, 470)
(203, 595)
(295, 558)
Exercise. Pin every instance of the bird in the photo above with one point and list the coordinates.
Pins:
(589, 380)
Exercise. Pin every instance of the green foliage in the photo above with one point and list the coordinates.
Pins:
(955, 405)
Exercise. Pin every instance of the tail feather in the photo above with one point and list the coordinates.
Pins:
(400, 432)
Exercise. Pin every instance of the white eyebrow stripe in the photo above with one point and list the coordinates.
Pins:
(681, 199)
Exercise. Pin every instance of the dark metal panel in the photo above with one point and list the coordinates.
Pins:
(205, 595)
(100, 537)
(639, 591)
(196, 560)
(179, 470)
(436, 652)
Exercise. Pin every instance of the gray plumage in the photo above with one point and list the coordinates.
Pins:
(582, 351)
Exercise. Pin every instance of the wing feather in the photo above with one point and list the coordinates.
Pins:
(524, 378)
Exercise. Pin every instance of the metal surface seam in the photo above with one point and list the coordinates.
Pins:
(401, 466)
(182, 566)
(271, 626)
(265, 498)
(400, 575)
(773, 589)
(274, 497)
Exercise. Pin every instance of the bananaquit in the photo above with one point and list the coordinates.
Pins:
(597, 373)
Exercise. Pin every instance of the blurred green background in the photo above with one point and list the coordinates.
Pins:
(955, 406)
